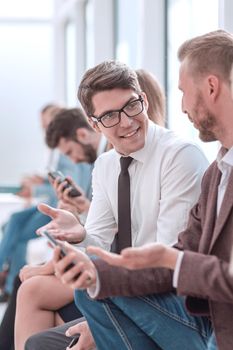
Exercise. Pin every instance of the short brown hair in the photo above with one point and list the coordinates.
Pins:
(155, 96)
(64, 125)
(209, 53)
(105, 76)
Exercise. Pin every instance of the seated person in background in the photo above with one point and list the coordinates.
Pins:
(22, 225)
(24, 222)
(154, 279)
(167, 169)
(38, 185)
(71, 133)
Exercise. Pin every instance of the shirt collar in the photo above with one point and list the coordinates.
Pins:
(102, 145)
(225, 157)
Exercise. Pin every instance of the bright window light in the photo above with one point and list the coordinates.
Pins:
(26, 8)
(186, 19)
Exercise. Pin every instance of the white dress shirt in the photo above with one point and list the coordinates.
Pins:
(225, 165)
(165, 178)
(102, 145)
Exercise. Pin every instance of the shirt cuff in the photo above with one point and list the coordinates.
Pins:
(84, 243)
(177, 269)
(94, 291)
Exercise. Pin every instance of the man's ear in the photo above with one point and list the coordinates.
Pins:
(82, 135)
(213, 87)
(94, 125)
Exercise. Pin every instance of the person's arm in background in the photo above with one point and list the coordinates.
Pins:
(80, 175)
(29, 184)
(29, 271)
(80, 203)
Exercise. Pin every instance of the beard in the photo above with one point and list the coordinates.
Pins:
(207, 124)
(90, 153)
(205, 133)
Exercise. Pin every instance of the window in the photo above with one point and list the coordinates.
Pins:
(128, 35)
(186, 18)
(90, 38)
(70, 65)
(26, 71)
(27, 9)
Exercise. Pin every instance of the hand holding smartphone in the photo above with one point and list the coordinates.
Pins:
(54, 243)
(73, 342)
(74, 192)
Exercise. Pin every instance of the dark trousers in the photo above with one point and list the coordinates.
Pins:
(8, 321)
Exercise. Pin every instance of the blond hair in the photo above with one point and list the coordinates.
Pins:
(211, 53)
(155, 96)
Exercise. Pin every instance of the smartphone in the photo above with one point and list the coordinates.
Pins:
(54, 242)
(74, 192)
(73, 341)
(63, 253)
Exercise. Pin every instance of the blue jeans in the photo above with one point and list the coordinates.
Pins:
(18, 231)
(152, 322)
(212, 343)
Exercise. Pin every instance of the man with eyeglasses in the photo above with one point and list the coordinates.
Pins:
(164, 168)
(165, 171)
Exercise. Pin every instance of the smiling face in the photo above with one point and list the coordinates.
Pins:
(129, 135)
(195, 105)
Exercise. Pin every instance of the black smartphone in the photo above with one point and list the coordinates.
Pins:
(63, 253)
(73, 341)
(54, 243)
(74, 192)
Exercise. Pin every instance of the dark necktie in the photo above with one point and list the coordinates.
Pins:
(124, 217)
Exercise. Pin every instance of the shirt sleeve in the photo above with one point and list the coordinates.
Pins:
(181, 176)
(94, 291)
(177, 270)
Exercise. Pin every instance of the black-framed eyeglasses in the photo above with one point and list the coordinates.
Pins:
(112, 118)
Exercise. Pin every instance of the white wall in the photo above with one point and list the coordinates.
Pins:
(26, 77)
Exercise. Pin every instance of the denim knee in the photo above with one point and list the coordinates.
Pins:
(81, 298)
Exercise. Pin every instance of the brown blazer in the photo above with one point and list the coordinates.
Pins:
(204, 276)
